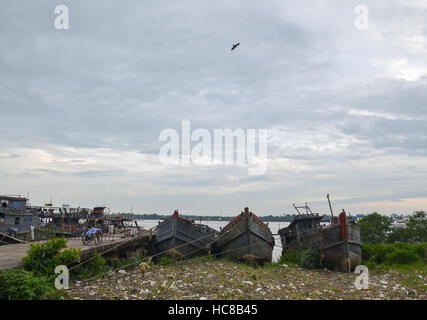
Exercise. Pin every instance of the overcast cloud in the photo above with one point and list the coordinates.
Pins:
(81, 110)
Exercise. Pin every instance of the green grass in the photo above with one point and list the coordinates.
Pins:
(309, 259)
(394, 254)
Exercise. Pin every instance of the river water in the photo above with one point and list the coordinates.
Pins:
(274, 227)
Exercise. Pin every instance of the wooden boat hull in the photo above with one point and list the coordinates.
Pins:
(178, 238)
(338, 253)
(246, 238)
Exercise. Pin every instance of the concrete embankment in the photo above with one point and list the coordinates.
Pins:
(115, 245)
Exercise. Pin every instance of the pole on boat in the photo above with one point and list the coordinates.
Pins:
(296, 209)
(330, 207)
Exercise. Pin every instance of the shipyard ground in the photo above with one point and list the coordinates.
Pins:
(206, 278)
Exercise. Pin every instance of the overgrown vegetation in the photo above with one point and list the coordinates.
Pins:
(35, 280)
(393, 254)
(384, 247)
(22, 285)
(42, 258)
(309, 258)
(90, 269)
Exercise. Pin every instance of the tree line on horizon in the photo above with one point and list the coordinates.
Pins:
(266, 218)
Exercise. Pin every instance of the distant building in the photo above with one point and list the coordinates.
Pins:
(16, 218)
(359, 216)
(399, 223)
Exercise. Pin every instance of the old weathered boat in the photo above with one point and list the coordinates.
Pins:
(101, 218)
(180, 237)
(246, 237)
(339, 243)
(63, 221)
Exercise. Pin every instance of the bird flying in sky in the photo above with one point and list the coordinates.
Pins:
(235, 46)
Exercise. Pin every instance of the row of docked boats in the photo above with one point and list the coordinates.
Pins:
(20, 222)
(248, 238)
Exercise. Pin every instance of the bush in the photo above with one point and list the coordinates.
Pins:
(401, 256)
(421, 251)
(164, 260)
(370, 264)
(42, 258)
(376, 252)
(394, 253)
(291, 257)
(308, 258)
(90, 269)
(22, 285)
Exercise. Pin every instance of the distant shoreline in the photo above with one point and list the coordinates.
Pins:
(270, 218)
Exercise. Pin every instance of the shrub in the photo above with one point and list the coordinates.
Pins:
(164, 260)
(42, 258)
(22, 285)
(308, 258)
(370, 264)
(421, 251)
(401, 256)
(376, 252)
(394, 253)
(291, 257)
(90, 269)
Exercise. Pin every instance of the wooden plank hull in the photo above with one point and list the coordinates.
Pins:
(338, 254)
(246, 238)
(178, 237)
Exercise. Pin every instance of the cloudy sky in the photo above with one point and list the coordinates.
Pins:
(81, 110)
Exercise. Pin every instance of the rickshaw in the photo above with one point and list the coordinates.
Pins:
(94, 234)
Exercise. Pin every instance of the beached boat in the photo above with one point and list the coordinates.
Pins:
(180, 237)
(339, 243)
(246, 237)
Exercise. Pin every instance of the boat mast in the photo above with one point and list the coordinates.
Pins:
(296, 208)
(330, 207)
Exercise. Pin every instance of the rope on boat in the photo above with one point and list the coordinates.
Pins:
(176, 261)
(151, 229)
(112, 248)
(160, 253)
(157, 254)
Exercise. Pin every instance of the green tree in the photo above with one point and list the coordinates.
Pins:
(399, 235)
(42, 258)
(415, 230)
(374, 228)
(417, 227)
